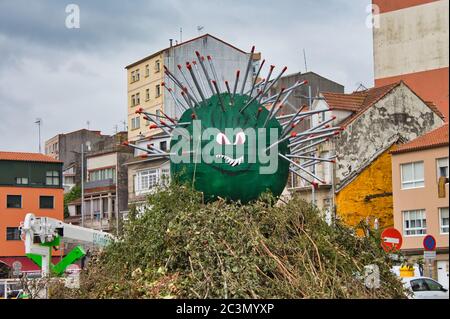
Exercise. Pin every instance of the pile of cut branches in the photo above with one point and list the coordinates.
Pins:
(181, 248)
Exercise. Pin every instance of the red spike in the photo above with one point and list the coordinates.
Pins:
(194, 62)
(260, 110)
(284, 69)
(315, 185)
(143, 156)
(209, 57)
(153, 126)
(125, 143)
(327, 126)
(179, 67)
(334, 117)
(293, 134)
(253, 49)
(197, 53)
(337, 133)
(193, 116)
(305, 82)
(333, 161)
(238, 73)
(188, 66)
(342, 128)
(163, 84)
(146, 118)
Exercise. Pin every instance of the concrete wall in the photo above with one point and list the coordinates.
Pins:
(101, 161)
(399, 114)
(412, 44)
(420, 198)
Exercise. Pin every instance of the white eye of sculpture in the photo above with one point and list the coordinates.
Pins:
(240, 138)
(222, 139)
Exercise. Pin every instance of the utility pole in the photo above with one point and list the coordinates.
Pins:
(82, 185)
(39, 123)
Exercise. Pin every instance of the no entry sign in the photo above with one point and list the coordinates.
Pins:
(429, 243)
(391, 240)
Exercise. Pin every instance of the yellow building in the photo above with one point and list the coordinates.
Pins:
(144, 91)
(369, 195)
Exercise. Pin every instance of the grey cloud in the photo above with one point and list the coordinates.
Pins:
(68, 77)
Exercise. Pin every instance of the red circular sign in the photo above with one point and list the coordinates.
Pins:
(391, 240)
(429, 243)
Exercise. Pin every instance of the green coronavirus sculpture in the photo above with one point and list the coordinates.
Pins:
(235, 145)
(236, 170)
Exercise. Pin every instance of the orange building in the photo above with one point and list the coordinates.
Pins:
(411, 43)
(29, 183)
(420, 186)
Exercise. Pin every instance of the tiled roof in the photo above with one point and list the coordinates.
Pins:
(435, 138)
(27, 157)
(340, 101)
(361, 101)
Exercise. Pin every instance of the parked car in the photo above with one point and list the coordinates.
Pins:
(425, 288)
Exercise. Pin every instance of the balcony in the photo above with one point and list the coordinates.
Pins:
(107, 183)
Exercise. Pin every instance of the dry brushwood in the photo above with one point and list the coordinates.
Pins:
(181, 248)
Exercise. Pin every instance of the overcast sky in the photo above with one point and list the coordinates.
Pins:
(70, 76)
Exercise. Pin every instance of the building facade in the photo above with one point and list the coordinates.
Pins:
(105, 190)
(420, 175)
(358, 186)
(411, 43)
(67, 148)
(29, 183)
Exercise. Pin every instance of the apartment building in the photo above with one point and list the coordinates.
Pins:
(105, 190)
(411, 43)
(29, 183)
(144, 78)
(67, 148)
(420, 175)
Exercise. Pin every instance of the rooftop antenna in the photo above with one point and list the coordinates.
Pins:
(39, 123)
(124, 125)
(88, 123)
(181, 35)
(304, 58)
(200, 29)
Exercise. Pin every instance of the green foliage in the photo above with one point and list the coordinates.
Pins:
(181, 248)
(75, 193)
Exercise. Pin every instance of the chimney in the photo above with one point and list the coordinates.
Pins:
(171, 42)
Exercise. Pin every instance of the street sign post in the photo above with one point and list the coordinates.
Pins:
(391, 240)
(429, 254)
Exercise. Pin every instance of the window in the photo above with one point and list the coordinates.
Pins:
(147, 71)
(133, 100)
(147, 94)
(157, 66)
(138, 76)
(21, 180)
(102, 174)
(443, 217)
(442, 167)
(52, 178)
(158, 90)
(163, 146)
(138, 99)
(432, 285)
(133, 77)
(12, 233)
(13, 201)
(412, 175)
(46, 202)
(135, 123)
(419, 285)
(414, 223)
(147, 180)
